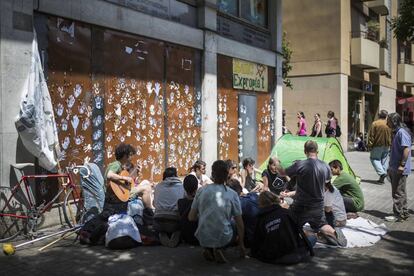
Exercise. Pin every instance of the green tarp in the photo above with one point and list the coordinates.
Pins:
(290, 148)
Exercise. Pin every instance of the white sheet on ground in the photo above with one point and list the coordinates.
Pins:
(360, 232)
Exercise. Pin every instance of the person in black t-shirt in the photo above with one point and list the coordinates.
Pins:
(272, 181)
(188, 228)
(308, 205)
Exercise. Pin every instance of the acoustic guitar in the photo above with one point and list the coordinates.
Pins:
(122, 188)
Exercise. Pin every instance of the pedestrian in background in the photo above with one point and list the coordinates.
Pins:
(331, 125)
(317, 126)
(400, 166)
(379, 142)
(302, 125)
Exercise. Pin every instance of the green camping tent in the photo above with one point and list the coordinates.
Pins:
(290, 148)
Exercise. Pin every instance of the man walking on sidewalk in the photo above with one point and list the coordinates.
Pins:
(379, 141)
(400, 166)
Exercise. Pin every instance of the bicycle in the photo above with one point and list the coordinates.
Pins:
(20, 213)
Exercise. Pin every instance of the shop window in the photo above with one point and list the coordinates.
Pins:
(253, 11)
(228, 6)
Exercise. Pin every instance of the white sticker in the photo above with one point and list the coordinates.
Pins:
(75, 123)
(70, 101)
(64, 125)
(128, 50)
(66, 143)
(77, 90)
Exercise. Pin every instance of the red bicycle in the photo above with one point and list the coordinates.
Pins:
(19, 213)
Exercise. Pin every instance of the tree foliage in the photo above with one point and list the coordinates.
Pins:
(286, 66)
(403, 24)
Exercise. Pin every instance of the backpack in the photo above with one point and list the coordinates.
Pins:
(93, 231)
(338, 131)
(122, 232)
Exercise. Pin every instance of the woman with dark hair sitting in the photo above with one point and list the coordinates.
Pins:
(272, 181)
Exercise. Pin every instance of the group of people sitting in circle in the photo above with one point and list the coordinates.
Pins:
(233, 208)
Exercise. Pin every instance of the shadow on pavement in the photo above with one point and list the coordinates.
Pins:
(369, 181)
(69, 259)
(377, 214)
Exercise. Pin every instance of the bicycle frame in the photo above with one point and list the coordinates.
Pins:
(30, 199)
(29, 193)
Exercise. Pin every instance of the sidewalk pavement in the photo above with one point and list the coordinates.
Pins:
(392, 255)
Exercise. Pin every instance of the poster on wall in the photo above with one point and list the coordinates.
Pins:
(249, 76)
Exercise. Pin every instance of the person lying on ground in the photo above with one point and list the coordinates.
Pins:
(188, 228)
(250, 209)
(348, 187)
(277, 238)
(334, 206)
(217, 207)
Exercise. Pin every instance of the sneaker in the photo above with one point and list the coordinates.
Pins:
(164, 239)
(175, 239)
(340, 237)
(382, 178)
(396, 218)
(208, 254)
(351, 215)
(219, 256)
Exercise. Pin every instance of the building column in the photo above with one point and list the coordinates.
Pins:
(343, 110)
(208, 21)
(16, 23)
(278, 89)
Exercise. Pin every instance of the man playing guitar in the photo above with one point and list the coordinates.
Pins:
(120, 186)
(123, 153)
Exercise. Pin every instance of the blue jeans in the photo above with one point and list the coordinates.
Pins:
(379, 159)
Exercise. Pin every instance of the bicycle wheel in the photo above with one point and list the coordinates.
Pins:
(74, 209)
(10, 225)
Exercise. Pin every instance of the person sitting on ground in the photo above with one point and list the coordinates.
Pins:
(348, 187)
(277, 238)
(199, 170)
(308, 204)
(140, 189)
(217, 207)
(250, 210)
(188, 228)
(113, 205)
(334, 206)
(166, 217)
(359, 143)
(233, 173)
(272, 181)
(248, 176)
